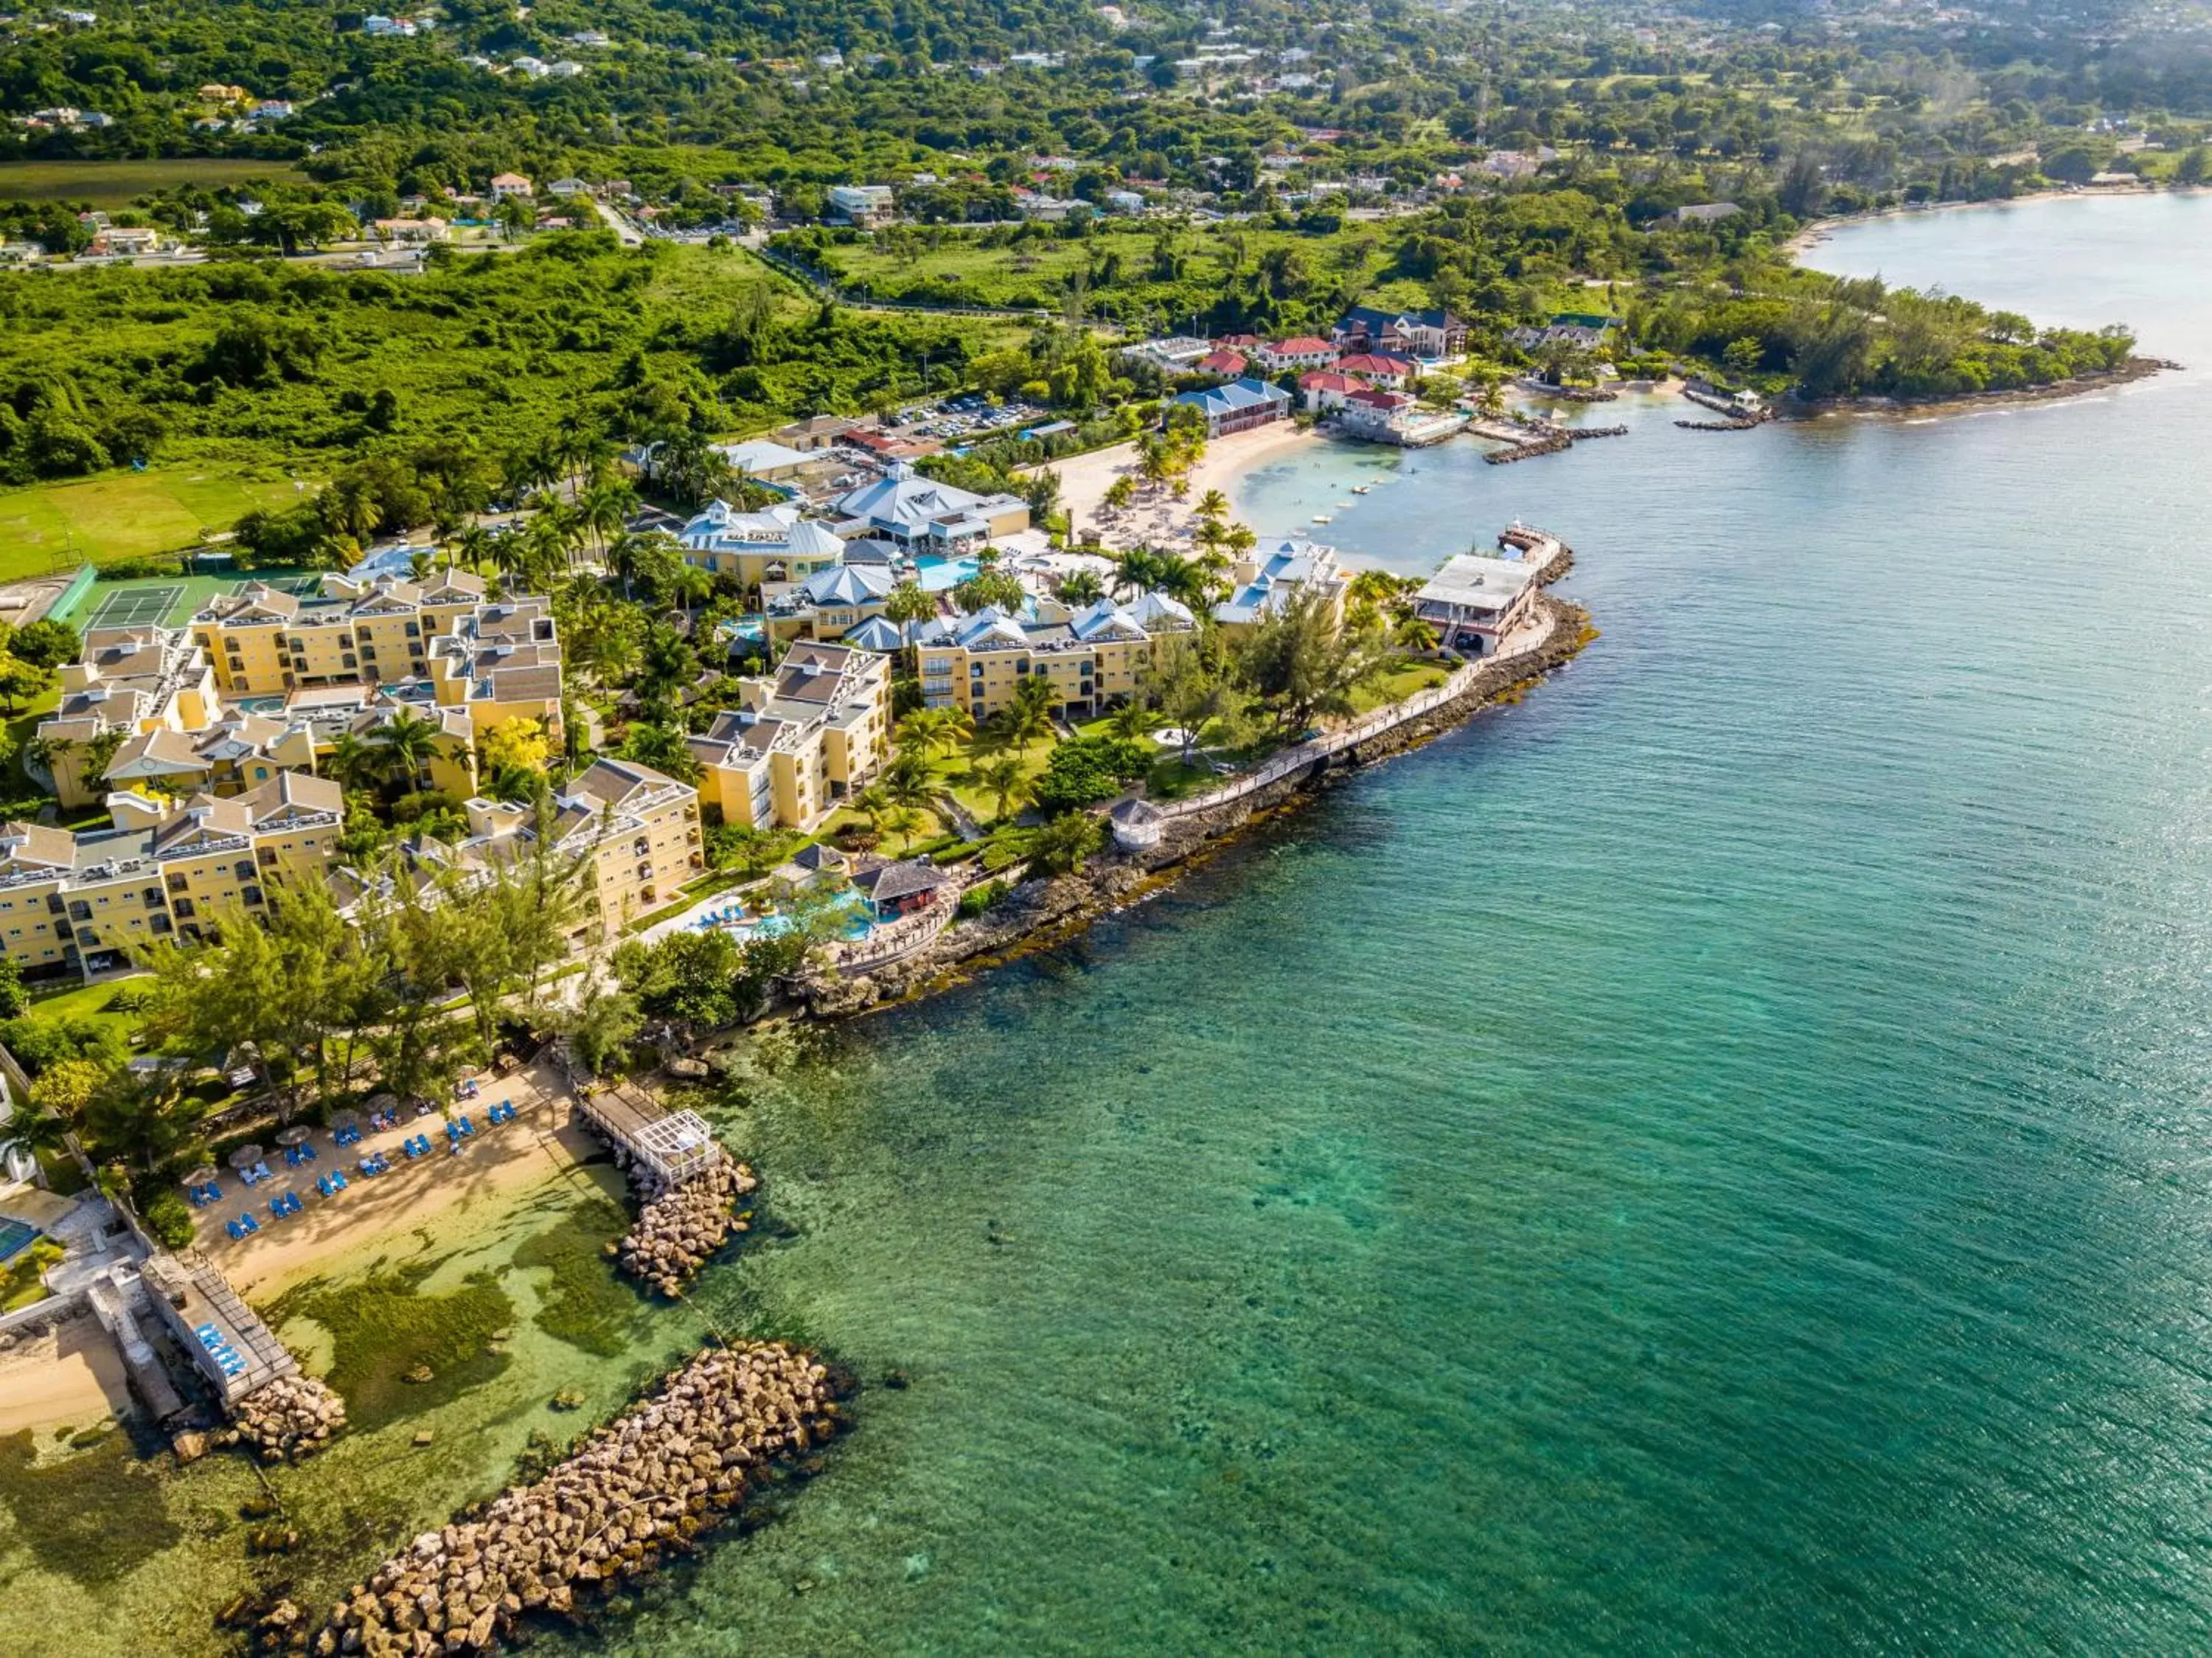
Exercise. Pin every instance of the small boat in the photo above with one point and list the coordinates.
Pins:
(1320, 518)
(1361, 488)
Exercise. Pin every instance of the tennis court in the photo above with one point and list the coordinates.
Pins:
(136, 606)
(170, 604)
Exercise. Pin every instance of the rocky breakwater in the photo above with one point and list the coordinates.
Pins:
(291, 1418)
(636, 1490)
(680, 1227)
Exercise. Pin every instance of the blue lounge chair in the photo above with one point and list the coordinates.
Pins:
(245, 1219)
(467, 1127)
(232, 1228)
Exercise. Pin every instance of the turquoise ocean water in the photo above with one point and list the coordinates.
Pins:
(1711, 1158)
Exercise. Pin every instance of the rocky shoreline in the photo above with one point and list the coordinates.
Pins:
(1040, 912)
(635, 1491)
(679, 1229)
(289, 1420)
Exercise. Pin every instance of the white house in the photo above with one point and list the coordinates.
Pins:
(866, 206)
(1474, 602)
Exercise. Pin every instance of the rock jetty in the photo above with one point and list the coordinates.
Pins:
(680, 1227)
(637, 1489)
(290, 1419)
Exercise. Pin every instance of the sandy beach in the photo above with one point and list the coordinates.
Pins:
(1160, 519)
(543, 1142)
(73, 1378)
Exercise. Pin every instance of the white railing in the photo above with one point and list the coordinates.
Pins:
(901, 937)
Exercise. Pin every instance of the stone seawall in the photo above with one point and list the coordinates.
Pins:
(1038, 912)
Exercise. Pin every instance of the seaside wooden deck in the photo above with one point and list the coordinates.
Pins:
(675, 1145)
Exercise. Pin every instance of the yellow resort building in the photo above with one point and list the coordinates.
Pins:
(263, 641)
(1094, 657)
(78, 904)
(266, 681)
(804, 739)
(635, 830)
(128, 681)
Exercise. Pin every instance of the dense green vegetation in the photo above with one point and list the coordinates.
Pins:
(476, 358)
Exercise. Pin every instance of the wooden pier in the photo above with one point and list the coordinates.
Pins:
(675, 1145)
(188, 1291)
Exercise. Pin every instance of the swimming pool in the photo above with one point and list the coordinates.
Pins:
(935, 572)
(15, 1237)
(857, 924)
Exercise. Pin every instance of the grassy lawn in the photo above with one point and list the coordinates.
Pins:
(117, 183)
(88, 1001)
(1406, 675)
(125, 515)
(958, 768)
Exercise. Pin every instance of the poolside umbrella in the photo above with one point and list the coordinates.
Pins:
(201, 1175)
(246, 1156)
(294, 1135)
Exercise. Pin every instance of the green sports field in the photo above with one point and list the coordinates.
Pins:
(124, 514)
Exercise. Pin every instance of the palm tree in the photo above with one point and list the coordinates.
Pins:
(349, 760)
(472, 547)
(1133, 720)
(50, 754)
(405, 742)
(919, 729)
(1081, 587)
(1212, 507)
(871, 803)
(1028, 717)
(906, 607)
(603, 510)
(1416, 634)
(1007, 777)
(1372, 587)
(908, 781)
(1136, 570)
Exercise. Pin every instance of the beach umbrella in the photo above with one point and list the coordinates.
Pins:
(384, 1102)
(345, 1119)
(201, 1175)
(294, 1135)
(246, 1156)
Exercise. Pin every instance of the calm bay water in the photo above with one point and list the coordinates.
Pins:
(1712, 1159)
